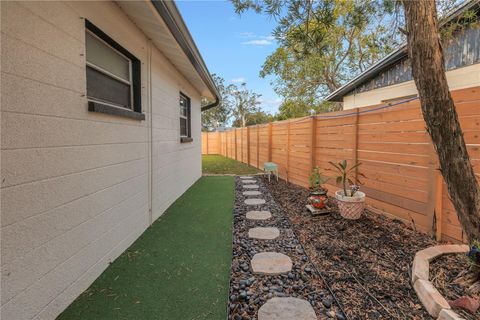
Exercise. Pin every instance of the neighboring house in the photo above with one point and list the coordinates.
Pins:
(100, 133)
(390, 79)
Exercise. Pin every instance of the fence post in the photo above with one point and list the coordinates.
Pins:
(288, 149)
(438, 205)
(207, 134)
(248, 145)
(269, 142)
(258, 146)
(240, 140)
(235, 143)
(355, 151)
(313, 143)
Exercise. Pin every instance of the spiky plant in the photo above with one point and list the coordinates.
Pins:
(347, 175)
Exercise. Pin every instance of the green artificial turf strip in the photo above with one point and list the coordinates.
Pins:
(215, 164)
(178, 269)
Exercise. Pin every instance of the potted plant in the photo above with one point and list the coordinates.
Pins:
(318, 194)
(350, 201)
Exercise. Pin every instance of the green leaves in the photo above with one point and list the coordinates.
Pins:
(339, 179)
(347, 175)
(237, 102)
(218, 116)
(322, 44)
(316, 179)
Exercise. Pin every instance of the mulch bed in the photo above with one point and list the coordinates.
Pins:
(249, 291)
(443, 271)
(366, 262)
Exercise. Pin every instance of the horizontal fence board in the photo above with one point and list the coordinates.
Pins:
(398, 161)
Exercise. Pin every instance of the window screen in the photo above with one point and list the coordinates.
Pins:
(113, 74)
(105, 57)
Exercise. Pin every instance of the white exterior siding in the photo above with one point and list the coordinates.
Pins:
(175, 165)
(461, 78)
(77, 188)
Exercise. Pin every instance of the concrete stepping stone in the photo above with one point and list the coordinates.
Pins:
(286, 309)
(258, 215)
(249, 181)
(246, 177)
(250, 186)
(254, 202)
(271, 263)
(252, 193)
(268, 233)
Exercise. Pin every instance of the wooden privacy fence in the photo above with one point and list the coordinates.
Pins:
(399, 163)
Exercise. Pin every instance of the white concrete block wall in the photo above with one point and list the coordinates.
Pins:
(75, 184)
(175, 165)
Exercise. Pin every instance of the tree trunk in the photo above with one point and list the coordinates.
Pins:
(428, 68)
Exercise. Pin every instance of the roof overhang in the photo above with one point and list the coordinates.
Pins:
(392, 58)
(163, 24)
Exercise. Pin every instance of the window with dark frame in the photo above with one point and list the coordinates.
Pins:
(113, 75)
(185, 121)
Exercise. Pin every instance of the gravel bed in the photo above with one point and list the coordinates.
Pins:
(443, 271)
(366, 262)
(248, 291)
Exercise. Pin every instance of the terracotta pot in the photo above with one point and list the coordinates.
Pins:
(350, 207)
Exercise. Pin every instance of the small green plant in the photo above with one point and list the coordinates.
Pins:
(347, 175)
(316, 179)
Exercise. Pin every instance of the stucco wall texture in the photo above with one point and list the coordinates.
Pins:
(77, 187)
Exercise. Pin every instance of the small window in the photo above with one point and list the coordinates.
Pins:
(113, 75)
(185, 122)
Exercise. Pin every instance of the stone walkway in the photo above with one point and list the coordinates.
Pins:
(272, 263)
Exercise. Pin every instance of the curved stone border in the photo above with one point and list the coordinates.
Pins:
(432, 300)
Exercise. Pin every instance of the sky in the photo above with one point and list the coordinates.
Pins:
(233, 46)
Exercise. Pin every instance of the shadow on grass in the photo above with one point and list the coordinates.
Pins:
(177, 269)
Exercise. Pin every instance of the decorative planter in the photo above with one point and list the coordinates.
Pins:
(350, 207)
(318, 199)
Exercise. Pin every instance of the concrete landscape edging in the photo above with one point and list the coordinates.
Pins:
(436, 305)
